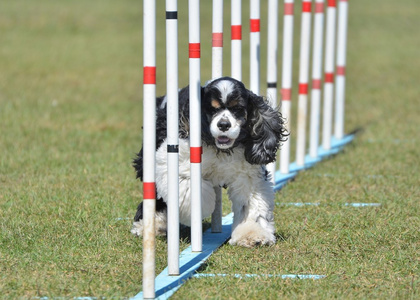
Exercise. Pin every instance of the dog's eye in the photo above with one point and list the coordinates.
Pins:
(233, 103)
(238, 111)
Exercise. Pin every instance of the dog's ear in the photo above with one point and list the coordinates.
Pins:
(266, 130)
(138, 164)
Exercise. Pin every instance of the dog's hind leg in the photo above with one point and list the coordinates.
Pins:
(160, 219)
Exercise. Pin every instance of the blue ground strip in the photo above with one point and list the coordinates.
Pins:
(189, 261)
(280, 179)
(285, 276)
(318, 204)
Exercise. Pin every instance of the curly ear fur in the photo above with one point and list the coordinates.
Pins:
(266, 130)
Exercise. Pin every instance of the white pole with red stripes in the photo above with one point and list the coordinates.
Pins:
(217, 71)
(217, 39)
(254, 51)
(305, 45)
(329, 75)
(340, 79)
(316, 78)
(236, 39)
(195, 124)
(149, 147)
(172, 132)
(272, 45)
(286, 84)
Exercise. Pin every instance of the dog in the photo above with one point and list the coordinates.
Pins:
(241, 133)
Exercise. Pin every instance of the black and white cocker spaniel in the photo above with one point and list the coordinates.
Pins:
(240, 135)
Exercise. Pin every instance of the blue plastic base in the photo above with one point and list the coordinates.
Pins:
(189, 262)
(281, 179)
(285, 276)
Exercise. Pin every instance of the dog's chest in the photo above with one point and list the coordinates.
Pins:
(222, 169)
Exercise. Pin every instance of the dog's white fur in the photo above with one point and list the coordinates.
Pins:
(249, 190)
(230, 159)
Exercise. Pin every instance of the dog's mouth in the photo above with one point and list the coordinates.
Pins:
(224, 142)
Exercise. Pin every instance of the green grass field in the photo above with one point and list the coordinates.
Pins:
(70, 123)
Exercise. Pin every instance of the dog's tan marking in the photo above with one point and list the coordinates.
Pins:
(215, 103)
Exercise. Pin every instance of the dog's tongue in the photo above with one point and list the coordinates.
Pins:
(223, 139)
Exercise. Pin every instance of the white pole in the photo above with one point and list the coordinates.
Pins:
(305, 45)
(217, 71)
(236, 39)
(272, 45)
(329, 76)
(173, 143)
(217, 39)
(149, 148)
(286, 85)
(254, 51)
(316, 78)
(341, 68)
(195, 124)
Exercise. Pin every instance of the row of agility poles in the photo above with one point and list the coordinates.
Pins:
(331, 142)
(149, 98)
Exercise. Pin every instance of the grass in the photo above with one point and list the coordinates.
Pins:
(70, 119)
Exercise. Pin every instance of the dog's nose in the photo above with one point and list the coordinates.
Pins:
(224, 125)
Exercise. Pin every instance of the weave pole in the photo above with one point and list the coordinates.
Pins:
(236, 39)
(254, 51)
(195, 124)
(272, 46)
(217, 71)
(217, 39)
(172, 132)
(286, 84)
(329, 75)
(202, 246)
(316, 78)
(340, 79)
(305, 45)
(149, 149)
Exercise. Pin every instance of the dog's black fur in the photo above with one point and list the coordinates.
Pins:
(261, 133)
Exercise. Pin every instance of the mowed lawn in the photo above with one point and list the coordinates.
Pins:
(70, 123)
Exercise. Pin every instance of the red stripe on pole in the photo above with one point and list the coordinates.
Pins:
(306, 6)
(341, 70)
(194, 50)
(288, 8)
(217, 40)
(236, 32)
(329, 77)
(195, 154)
(149, 190)
(319, 7)
(149, 75)
(286, 94)
(331, 3)
(316, 84)
(255, 25)
(303, 88)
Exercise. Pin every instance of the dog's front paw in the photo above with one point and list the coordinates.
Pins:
(137, 228)
(251, 234)
(160, 225)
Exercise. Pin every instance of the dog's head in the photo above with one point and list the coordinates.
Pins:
(234, 115)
